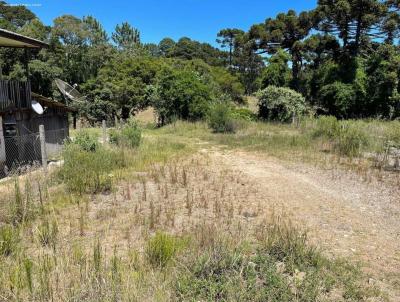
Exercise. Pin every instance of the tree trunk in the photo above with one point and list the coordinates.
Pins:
(358, 29)
(230, 55)
(125, 112)
(295, 70)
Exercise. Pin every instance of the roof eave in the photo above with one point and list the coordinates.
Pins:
(30, 42)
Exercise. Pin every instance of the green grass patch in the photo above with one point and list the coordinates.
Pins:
(89, 171)
(280, 266)
(162, 248)
(9, 240)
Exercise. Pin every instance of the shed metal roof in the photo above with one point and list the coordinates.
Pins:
(14, 40)
(51, 103)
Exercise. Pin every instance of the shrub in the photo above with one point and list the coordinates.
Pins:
(281, 104)
(89, 172)
(244, 114)
(114, 136)
(327, 127)
(162, 248)
(86, 140)
(9, 239)
(130, 135)
(220, 118)
(337, 98)
(350, 139)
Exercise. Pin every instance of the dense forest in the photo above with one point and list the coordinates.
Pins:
(343, 57)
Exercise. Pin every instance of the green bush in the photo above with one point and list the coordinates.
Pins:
(130, 135)
(337, 98)
(350, 139)
(114, 136)
(89, 172)
(327, 127)
(220, 118)
(281, 104)
(244, 114)
(9, 239)
(162, 248)
(88, 141)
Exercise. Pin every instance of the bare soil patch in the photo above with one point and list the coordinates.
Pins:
(236, 192)
(345, 216)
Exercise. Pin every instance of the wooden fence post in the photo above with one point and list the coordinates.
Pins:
(42, 138)
(115, 122)
(104, 132)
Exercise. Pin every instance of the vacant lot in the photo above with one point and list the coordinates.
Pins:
(191, 216)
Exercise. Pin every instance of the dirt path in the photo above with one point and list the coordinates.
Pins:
(345, 216)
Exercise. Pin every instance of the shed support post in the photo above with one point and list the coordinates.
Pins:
(74, 120)
(2, 148)
(26, 54)
(104, 132)
(43, 146)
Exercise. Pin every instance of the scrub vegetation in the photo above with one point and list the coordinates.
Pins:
(153, 212)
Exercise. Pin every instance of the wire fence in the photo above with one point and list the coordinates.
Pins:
(23, 152)
(55, 140)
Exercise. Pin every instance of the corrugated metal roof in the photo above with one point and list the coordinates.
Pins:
(14, 40)
(51, 103)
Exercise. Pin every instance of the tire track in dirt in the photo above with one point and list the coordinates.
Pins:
(345, 216)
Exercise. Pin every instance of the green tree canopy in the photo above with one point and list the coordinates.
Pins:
(125, 36)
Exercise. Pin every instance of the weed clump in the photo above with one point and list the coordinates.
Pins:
(286, 244)
(129, 136)
(21, 207)
(162, 248)
(86, 140)
(326, 127)
(350, 140)
(89, 172)
(348, 137)
(279, 266)
(47, 233)
(220, 119)
(9, 239)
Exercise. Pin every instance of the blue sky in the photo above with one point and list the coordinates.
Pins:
(156, 19)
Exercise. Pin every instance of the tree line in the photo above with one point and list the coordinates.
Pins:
(343, 57)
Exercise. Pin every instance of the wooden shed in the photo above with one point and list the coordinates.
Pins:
(21, 113)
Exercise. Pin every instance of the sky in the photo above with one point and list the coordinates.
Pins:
(156, 19)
